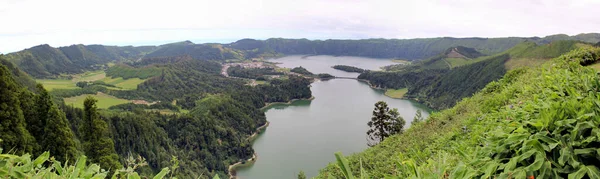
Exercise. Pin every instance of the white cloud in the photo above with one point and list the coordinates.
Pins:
(26, 23)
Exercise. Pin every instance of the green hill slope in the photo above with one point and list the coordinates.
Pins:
(44, 61)
(411, 49)
(440, 87)
(541, 122)
(196, 51)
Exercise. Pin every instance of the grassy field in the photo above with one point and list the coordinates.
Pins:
(51, 84)
(104, 100)
(522, 62)
(89, 76)
(128, 84)
(260, 82)
(396, 93)
(454, 62)
(122, 84)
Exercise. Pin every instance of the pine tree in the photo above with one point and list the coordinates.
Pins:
(13, 130)
(418, 118)
(98, 146)
(385, 122)
(58, 137)
(396, 123)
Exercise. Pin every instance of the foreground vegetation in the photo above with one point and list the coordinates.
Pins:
(209, 133)
(536, 123)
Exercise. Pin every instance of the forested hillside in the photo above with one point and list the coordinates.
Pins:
(220, 114)
(440, 87)
(411, 49)
(44, 61)
(196, 51)
(537, 122)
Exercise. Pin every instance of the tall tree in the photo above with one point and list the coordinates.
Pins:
(396, 123)
(57, 136)
(418, 117)
(385, 122)
(98, 146)
(13, 132)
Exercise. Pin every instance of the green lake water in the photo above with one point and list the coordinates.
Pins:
(305, 135)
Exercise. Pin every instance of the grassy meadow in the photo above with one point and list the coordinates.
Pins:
(396, 93)
(128, 84)
(122, 84)
(104, 100)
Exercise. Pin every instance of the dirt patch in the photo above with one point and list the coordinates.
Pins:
(142, 102)
(455, 54)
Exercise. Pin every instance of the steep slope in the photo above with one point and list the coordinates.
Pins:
(18, 75)
(537, 123)
(44, 61)
(441, 88)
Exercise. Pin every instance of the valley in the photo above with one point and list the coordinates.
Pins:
(305, 133)
(206, 106)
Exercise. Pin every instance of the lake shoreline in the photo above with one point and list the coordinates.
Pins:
(267, 105)
(232, 168)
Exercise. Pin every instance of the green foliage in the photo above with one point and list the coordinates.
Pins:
(462, 52)
(445, 90)
(18, 75)
(418, 117)
(13, 130)
(132, 107)
(126, 72)
(44, 61)
(539, 122)
(433, 82)
(96, 142)
(347, 68)
(384, 123)
(196, 51)
(301, 175)
(376, 48)
(252, 73)
(44, 166)
(325, 76)
(301, 70)
(14, 166)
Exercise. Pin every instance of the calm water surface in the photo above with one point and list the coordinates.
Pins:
(305, 135)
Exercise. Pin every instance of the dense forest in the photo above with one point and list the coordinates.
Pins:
(44, 61)
(347, 68)
(252, 73)
(223, 112)
(301, 70)
(433, 83)
(538, 122)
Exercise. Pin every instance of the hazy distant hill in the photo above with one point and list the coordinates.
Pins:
(44, 61)
(410, 49)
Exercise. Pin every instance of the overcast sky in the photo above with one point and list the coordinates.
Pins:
(26, 23)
